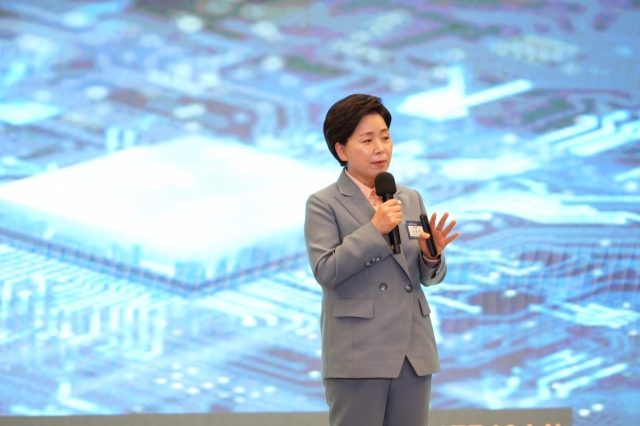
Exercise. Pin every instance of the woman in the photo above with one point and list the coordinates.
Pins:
(378, 347)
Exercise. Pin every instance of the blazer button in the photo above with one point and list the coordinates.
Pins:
(366, 265)
(409, 288)
(383, 287)
(374, 260)
(378, 258)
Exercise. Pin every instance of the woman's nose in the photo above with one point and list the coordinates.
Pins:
(379, 147)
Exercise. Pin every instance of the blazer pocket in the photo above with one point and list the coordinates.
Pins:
(424, 306)
(360, 308)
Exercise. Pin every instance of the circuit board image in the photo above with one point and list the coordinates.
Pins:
(156, 156)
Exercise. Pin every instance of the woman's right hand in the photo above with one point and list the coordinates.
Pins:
(388, 216)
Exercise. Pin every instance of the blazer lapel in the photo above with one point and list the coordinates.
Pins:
(354, 200)
(361, 209)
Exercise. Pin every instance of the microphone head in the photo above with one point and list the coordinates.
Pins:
(385, 184)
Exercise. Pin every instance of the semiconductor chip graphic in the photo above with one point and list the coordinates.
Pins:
(25, 113)
(190, 211)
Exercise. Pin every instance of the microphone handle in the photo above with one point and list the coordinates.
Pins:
(394, 238)
(394, 235)
(431, 245)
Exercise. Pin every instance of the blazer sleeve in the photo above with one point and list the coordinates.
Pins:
(431, 276)
(334, 260)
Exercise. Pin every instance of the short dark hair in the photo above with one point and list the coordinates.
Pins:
(343, 118)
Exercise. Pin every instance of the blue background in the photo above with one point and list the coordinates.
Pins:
(134, 278)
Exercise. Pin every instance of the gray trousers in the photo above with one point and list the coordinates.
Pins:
(403, 401)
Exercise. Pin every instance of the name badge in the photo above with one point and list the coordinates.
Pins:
(414, 227)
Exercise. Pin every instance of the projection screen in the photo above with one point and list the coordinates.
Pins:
(155, 160)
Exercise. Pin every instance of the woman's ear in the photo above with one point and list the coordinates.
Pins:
(340, 151)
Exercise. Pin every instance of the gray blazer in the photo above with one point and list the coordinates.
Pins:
(374, 312)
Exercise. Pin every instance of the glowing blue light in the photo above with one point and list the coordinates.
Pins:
(188, 200)
(22, 113)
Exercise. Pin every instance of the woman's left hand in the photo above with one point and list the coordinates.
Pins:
(441, 236)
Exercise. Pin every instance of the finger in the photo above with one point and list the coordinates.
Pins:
(443, 220)
(424, 236)
(451, 238)
(432, 221)
(392, 213)
(385, 207)
(448, 228)
(387, 211)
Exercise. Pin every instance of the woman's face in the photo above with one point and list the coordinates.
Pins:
(368, 150)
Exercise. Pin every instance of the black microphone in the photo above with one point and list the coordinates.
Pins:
(386, 187)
